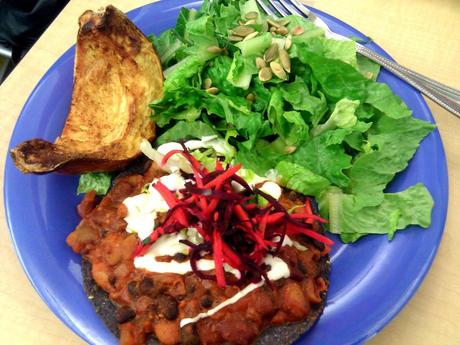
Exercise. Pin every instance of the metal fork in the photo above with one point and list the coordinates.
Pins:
(445, 96)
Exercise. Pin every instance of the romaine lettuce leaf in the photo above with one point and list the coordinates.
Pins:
(352, 135)
(368, 68)
(185, 130)
(381, 97)
(341, 50)
(298, 95)
(255, 46)
(395, 212)
(225, 16)
(392, 144)
(99, 182)
(183, 73)
(261, 158)
(242, 70)
(343, 116)
(329, 161)
(329, 123)
(200, 35)
(237, 113)
(338, 79)
(218, 70)
(167, 46)
(262, 96)
(179, 104)
(301, 179)
(329, 48)
(185, 15)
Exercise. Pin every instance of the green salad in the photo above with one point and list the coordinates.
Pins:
(294, 103)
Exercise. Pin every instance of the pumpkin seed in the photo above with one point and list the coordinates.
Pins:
(264, 26)
(282, 30)
(285, 60)
(369, 75)
(233, 38)
(288, 42)
(212, 90)
(272, 29)
(290, 149)
(242, 31)
(297, 30)
(214, 49)
(278, 70)
(273, 23)
(284, 21)
(271, 53)
(250, 36)
(251, 22)
(265, 74)
(250, 97)
(207, 83)
(260, 63)
(252, 15)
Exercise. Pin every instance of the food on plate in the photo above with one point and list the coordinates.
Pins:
(117, 74)
(185, 254)
(218, 240)
(291, 99)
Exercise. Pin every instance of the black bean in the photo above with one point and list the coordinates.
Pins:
(318, 245)
(179, 257)
(206, 301)
(112, 279)
(189, 337)
(302, 267)
(132, 288)
(152, 308)
(125, 314)
(167, 306)
(323, 295)
(146, 286)
(297, 276)
(190, 288)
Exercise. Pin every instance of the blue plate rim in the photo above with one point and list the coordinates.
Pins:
(61, 313)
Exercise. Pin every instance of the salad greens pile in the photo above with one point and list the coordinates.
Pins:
(322, 123)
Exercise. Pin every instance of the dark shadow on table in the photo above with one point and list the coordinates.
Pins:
(22, 22)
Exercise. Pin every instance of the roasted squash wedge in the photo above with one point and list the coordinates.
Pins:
(117, 74)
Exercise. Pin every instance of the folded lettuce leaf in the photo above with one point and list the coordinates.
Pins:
(168, 46)
(298, 96)
(368, 68)
(381, 97)
(391, 144)
(301, 179)
(395, 212)
(329, 161)
(261, 158)
(343, 117)
(289, 125)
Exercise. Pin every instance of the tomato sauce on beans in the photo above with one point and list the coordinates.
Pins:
(152, 304)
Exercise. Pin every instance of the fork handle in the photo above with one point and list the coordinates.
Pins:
(445, 96)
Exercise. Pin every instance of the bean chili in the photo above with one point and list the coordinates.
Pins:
(152, 303)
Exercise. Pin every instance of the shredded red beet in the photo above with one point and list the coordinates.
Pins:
(236, 231)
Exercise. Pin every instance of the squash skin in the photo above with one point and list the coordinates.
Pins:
(117, 74)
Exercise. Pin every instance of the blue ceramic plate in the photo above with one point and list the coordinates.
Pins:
(370, 281)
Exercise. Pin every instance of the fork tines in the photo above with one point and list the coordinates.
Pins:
(283, 8)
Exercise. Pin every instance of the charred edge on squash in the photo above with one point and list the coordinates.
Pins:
(109, 30)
